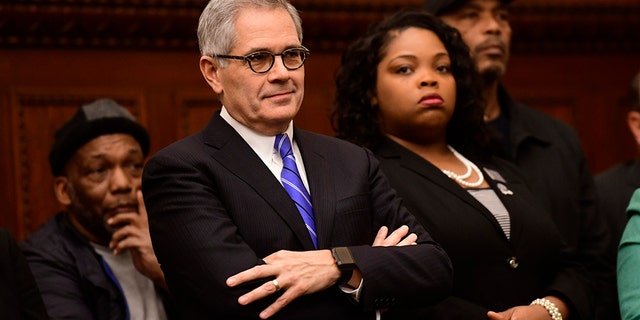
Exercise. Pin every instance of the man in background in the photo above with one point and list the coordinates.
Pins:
(616, 185)
(95, 260)
(547, 151)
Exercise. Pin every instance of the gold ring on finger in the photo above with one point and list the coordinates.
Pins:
(276, 284)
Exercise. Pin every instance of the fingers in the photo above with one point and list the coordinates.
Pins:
(266, 289)
(257, 272)
(126, 225)
(127, 243)
(280, 303)
(138, 218)
(279, 256)
(409, 240)
(380, 236)
(295, 273)
(398, 234)
(127, 218)
(269, 288)
(508, 314)
(142, 210)
(126, 238)
(396, 238)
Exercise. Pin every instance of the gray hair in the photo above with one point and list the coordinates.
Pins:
(216, 28)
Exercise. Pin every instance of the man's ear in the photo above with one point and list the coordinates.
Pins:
(60, 188)
(209, 68)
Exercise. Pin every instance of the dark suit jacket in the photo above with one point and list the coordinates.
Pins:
(215, 209)
(491, 271)
(615, 187)
(72, 277)
(19, 294)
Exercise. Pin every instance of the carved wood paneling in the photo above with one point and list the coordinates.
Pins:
(10, 217)
(196, 110)
(541, 26)
(38, 112)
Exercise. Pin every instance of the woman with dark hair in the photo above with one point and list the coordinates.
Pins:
(408, 90)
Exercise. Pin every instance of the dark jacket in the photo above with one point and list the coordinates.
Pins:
(491, 272)
(615, 187)
(549, 155)
(211, 194)
(73, 278)
(19, 295)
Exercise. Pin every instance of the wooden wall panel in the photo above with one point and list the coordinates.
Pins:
(10, 214)
(196, 110)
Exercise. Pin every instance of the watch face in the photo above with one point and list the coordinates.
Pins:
(343, 257)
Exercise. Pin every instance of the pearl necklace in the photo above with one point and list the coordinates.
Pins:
(470, 167)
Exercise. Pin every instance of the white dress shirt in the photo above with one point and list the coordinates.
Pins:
(263, 146)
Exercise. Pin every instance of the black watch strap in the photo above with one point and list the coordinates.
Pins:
(345, 262)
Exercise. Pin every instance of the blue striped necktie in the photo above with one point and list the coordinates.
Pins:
(292, 182)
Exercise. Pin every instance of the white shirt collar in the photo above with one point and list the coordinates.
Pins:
(261, 144)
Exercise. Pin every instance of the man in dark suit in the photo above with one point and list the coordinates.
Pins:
(230, 239)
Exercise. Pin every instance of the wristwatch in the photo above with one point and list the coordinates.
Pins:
(345, 263)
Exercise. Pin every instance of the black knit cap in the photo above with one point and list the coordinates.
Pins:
(437, 7)
(101, 117)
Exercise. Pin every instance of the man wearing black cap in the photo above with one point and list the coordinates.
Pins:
(95, 260)
(547, 150)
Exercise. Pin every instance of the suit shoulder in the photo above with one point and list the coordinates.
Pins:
(49, 242)
(613, 175)
(321, 140)
(186, 143)
(544, 126)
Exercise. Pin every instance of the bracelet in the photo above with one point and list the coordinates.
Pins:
(550, 306)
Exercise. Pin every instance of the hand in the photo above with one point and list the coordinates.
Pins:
(533, 312)
(395, 238)
(134, 236)
(298, 273)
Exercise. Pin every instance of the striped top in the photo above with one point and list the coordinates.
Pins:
(489, 199)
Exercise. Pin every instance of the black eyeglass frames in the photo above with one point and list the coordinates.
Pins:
(262, 61)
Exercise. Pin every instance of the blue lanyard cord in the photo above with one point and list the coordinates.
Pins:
(107, 269)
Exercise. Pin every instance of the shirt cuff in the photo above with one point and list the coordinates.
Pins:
(353, 292)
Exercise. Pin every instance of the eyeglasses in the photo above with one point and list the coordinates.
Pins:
(262, 61)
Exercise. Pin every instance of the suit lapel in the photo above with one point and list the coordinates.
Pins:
(228, 148)
(413, 162)
(320, 184)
